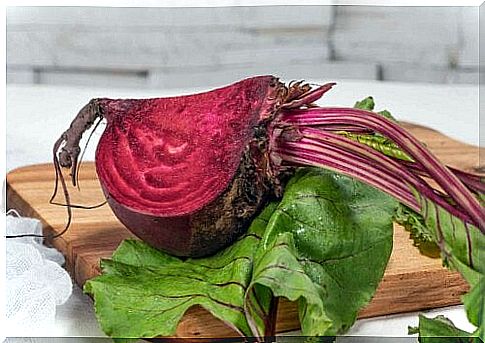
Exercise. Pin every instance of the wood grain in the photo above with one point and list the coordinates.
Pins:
(411, 281)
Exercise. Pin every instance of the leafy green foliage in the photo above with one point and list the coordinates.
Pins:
(278, 273)
(462, 248)
(369, 104)
(387, 114)
(152, 289)
(440, 330)
(419, 233)
(365, 104)
(435, 231)
(326, 243)
(462, 245)
(475, 304)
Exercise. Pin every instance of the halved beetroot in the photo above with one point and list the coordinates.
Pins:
(175, 170)
(185, 174)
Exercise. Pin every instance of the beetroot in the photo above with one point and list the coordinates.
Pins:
(187, 174)
(181, 172)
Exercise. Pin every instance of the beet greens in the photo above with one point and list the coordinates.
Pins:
(302, 249)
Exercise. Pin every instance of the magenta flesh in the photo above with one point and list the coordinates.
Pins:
(172, 156)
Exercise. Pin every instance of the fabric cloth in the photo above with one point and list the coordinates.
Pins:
(36, 283)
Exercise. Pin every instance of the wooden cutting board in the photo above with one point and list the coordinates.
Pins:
(411, 282)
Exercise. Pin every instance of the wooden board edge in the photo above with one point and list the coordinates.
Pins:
(16, 202)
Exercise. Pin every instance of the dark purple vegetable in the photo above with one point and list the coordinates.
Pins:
(188, 174)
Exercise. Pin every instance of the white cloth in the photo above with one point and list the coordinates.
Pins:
(35, 281)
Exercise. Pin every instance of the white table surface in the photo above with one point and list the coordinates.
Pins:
(38, 114)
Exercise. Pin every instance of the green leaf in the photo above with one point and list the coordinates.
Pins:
(440, 330)
(436, 231)
(144, 292)
(475, 304)
(369, 104)
(419, 233)
(365, 104)
(327, 244)
(462, 248)
(462, 245)
(387, 114)
(278, 273)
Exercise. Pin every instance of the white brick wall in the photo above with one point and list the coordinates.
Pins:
(429, 44)
(177, 47)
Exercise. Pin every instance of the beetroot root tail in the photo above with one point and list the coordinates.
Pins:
(66, 154)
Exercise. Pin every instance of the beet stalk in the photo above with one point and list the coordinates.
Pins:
(188, 174)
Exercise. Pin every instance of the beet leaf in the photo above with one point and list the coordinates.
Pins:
(328, 241)
(435, 230)
(144, 292)
(418, 232)
(462, 248)
(440, 330)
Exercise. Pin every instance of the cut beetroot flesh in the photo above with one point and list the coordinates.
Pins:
(173, 156)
